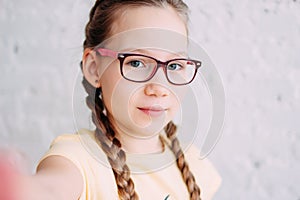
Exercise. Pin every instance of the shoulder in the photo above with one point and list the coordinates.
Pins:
(78, 142)
(204, 171)
(74, 147)
(66, 145)
(67, 138)
(60, 166)
(83, 151)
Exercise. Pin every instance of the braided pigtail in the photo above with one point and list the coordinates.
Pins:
(187, 175)
(105, 134)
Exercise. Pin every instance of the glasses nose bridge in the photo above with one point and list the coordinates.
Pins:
(162, 64)
(158, 65)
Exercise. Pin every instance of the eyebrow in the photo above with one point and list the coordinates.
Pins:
(147, 52)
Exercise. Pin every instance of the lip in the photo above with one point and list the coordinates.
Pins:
(153, 111)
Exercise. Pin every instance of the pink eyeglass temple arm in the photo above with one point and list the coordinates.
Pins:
(107, 52)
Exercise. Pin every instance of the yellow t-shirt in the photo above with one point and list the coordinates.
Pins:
(155, 176)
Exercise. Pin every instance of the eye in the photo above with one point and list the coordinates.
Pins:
(136, 63)
(175, 66)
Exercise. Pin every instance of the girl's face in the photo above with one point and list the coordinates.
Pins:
(142, 109)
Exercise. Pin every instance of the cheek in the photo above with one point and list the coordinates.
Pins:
(109, 84)
(175, 105)
(121, 98)
(117, 94)
(123, 107)
(179, 92)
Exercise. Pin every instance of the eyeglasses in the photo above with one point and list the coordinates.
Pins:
(141, 68)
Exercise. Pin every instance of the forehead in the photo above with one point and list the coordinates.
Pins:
(149, 17)
(148, 27)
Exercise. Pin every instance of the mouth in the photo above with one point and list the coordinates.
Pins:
(153, 111)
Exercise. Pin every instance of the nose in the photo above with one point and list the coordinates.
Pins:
(155, 87)
(156, 90)
(159, 75)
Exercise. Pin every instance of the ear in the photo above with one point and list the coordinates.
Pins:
(90, 68)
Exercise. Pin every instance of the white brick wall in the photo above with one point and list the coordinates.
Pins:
(256, 47)
(254, 44)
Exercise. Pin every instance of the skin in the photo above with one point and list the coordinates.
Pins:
(126, 100)
(57, 177)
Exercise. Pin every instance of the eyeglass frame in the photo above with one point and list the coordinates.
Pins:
(122, 56)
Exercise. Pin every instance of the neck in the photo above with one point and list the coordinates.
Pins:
(137, 145)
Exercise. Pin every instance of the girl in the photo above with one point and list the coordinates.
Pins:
(133, 103)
